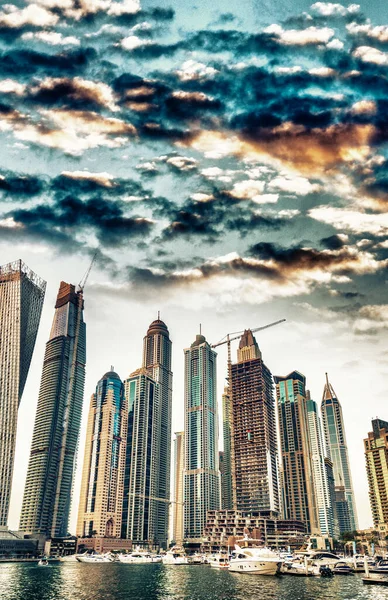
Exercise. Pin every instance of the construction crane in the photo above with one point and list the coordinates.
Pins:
(229, 339)
(84, 279)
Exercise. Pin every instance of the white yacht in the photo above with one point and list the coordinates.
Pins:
(323, 558)
(219, 561)
(94, 558)
(256, 560)
(139, 557)
(175, 556)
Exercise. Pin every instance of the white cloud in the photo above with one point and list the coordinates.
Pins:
(201, 197)
(335, 44)
(132, 42)
(322, 72)
(212, 172)
(351, 220)
(10, 86)
(192, 69)
(248, 189)
(372, 55)
(379, 32)
(102, 178)
(53, 38)
(293, 185)
(367, 107)
(9, 223)
(33, 14)
(183, 163)
(329, 9)
(301, 37)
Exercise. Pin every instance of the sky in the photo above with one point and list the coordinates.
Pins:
(227, 163)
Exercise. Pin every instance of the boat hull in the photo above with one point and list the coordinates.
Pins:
(256, 567)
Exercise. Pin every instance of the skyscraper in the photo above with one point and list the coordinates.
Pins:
(336, 447)
(321, 487)
(157, 359)
(101, 499)
(255, 460)
(297, 477)
(141, 482)
(226, 474)
(21, 301)
(179, 461)
(376, 456)
(202, 477)
(47, 494)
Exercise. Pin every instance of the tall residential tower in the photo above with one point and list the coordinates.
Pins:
(47, 494)
(179, 462)
(147, 469)
(299, 501)
(334, 432)
(202, 477)
(376, 456)
(255, 460)
(101, 499)
(21, 301)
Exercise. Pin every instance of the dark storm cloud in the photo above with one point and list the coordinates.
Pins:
(107, 219)
(332, 242)
(16, 185)
(297, 258)
(29, 62)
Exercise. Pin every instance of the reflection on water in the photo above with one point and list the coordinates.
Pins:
(77, 581)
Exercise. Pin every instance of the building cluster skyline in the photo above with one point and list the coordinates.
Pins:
(284, 459)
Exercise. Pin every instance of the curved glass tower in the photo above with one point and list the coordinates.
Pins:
(21, 301)
(47, 494)
(334, 432)
(101, 499)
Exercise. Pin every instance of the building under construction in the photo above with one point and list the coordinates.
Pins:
(225, 527)
(254, 448)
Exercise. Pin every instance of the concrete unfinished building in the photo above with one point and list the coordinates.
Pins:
(254, 461)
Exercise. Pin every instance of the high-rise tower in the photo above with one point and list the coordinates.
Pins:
(255, 461)
(202, 477)
(21, 301)
(376, 456)
(334, 433)
(101, 499)
(226, 474)
(141, 505)
(297, 477)
(325, 509)
(179, 460)
(157, 359)
(47, 494)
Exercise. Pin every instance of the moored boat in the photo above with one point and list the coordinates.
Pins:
(139, 557)
(342, 568)
(255, 560)
(219, 561)
(94, 558)
(175, 556)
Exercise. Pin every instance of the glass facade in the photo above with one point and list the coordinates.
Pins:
(201, 476)
(101, 500)
(298, 491)
(47, 494)
(334, 433)
(21, 301)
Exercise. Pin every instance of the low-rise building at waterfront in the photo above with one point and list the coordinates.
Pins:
(225, 527)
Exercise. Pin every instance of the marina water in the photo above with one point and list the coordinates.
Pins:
(115, 581)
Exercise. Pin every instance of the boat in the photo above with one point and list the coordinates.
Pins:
(43, 562)
(94, 558)
(380, 567)
(300, 569)
(374, 578)
(323, 558)
(254, 559)
(219, 561)
(139, 557)
(342, 568)
(175, 556)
